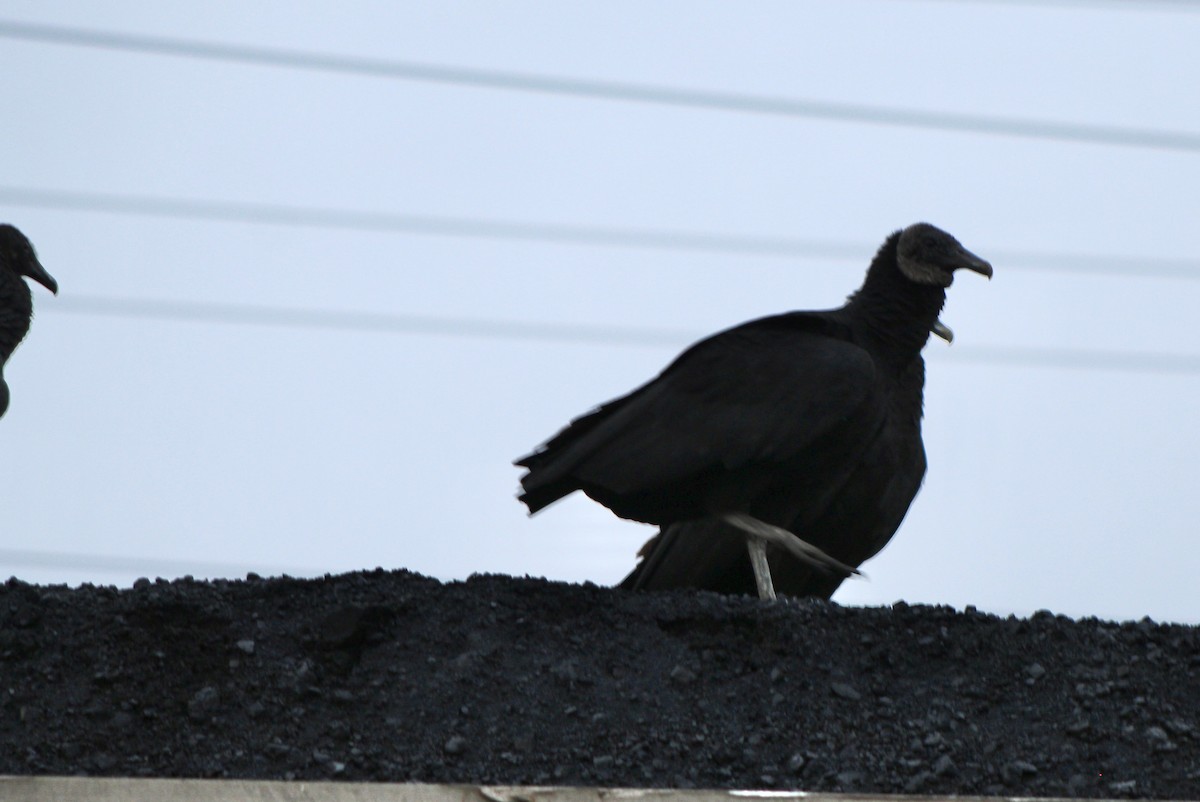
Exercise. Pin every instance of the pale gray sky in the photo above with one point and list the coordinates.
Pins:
(1061, 426)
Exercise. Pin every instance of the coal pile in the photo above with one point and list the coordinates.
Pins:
(397, 677)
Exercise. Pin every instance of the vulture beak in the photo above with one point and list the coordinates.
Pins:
(943, 331)
(38, 273)
(972, 262)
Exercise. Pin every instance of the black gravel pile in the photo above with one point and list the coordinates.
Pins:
(393, 676)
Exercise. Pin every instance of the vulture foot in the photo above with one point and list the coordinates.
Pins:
(759, 534)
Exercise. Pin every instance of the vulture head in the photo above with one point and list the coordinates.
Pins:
(18, 256)
(17, 260)
(928, 255)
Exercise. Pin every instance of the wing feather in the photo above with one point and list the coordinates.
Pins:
(762, 393)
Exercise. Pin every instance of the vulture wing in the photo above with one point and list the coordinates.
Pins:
(771, 400)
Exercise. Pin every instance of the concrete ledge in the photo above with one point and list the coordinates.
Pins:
(122, 789)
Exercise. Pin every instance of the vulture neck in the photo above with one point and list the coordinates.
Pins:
(16, 307)
(893, 314)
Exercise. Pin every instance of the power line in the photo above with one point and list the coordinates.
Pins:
(1139, 6)
(593, 236)
(1086, 359)
(145, 566)
(275, 214)
(604, 90)
(239, 314)
(368, 322)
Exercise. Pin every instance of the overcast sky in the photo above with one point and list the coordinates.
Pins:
(310, 310)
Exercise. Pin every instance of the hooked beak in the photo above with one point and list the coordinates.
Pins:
(972, 262)
(38, 273)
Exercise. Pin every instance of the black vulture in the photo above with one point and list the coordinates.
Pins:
(17, 259)
(794, 438)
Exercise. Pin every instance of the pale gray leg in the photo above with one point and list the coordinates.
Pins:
(943, 331)
(759, 533)
(762, 570)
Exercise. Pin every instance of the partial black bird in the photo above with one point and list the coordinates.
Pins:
(17, 259)
(780, 453)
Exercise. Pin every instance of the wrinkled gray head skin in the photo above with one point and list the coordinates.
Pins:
(928, 255)
(17, 254)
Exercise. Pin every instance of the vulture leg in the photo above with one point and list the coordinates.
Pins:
(762, 570)
(759, 533)
(943, 331)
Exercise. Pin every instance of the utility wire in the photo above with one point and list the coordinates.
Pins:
(368, 322)
(1139, 6)
(239, 314)
(1086, 359)
(604, 90)
(145, 566)
(596, 236)
(309, 217)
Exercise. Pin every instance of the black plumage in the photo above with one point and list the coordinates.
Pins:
(808, 422)
(853, 526)
(17, 260)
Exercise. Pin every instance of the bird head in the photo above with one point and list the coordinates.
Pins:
(928, 255)
(18, 255)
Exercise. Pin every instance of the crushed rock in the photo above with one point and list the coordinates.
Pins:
(392, 676)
